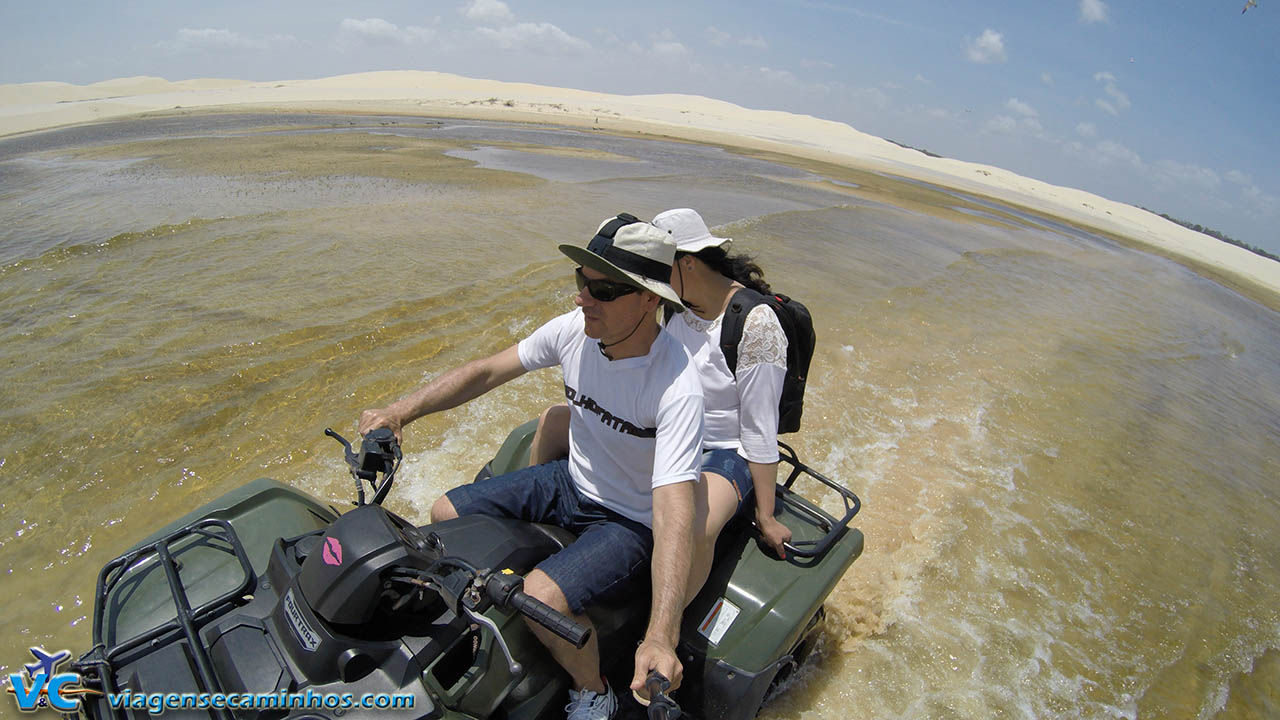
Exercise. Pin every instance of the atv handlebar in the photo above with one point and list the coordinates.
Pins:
(551, 619)
(379, 454)
(661, 706)
(507, 591)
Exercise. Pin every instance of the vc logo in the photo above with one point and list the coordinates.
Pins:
(42, 688)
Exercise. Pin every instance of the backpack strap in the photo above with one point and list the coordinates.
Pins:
(668, 312)
(735, 317)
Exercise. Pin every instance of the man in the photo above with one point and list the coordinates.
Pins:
(634, 451)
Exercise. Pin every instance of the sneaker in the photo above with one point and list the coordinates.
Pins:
(588, 705)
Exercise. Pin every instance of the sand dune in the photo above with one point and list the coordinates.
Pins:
(37, 106)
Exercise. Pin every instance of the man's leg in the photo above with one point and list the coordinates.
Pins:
(608, 554)
(551, 439)
(582, 665)
(600, 566)
(533, 494)
(443, 510)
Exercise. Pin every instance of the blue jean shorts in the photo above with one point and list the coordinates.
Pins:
(733, 467)
(610, 553)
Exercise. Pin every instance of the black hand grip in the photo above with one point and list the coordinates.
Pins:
(661, 707)
(506, 590)
(550, 618)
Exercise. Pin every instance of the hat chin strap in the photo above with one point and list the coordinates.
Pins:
(683, 301)
(605, 346)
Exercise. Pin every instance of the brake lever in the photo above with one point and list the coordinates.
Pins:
(515, 668)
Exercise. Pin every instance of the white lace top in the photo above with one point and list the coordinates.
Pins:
(741, 415)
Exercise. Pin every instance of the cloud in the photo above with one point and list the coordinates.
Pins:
(1002, 124)
(1026, 124)
(1200, 179)
(988, 48)
(1109, 152)
(1238, 177)
(488, 12)
(535, 37)
(778, 76)
(1168, 174)
(1021, 108)
(1261, 202)
(1087, 130)
(1093, 11)
(823, 64)
(1023, 120)
(1118, 101)
(872, 96)
(1180, 184)
(376, 31)
(498, 26)
(721, 38)
(665, 45)
(189, 39)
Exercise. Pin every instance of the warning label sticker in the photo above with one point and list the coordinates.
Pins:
(718, 620)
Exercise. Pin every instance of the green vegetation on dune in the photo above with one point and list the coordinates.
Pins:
(1215, 234)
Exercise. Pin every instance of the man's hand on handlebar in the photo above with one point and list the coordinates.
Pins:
(380, 417)
(652, 656)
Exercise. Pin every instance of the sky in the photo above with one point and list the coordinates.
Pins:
(1172, 106)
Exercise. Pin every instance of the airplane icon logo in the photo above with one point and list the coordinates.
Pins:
(47, 663)
(44, 687)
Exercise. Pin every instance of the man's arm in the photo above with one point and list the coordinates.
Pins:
(449, 390)
(672, 544)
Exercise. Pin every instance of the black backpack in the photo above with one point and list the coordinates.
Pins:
(797, 324)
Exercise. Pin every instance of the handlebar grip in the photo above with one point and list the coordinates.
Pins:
(550, 618)
(661, 706)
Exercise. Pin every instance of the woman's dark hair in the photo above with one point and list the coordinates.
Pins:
(742, 268)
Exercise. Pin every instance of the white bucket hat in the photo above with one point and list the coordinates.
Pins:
(632, 251)
(689, 231)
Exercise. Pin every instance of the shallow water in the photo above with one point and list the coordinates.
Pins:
(1068, 451)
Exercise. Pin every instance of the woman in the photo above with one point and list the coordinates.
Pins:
(741, 413)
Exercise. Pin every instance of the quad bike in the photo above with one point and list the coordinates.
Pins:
(267, 593)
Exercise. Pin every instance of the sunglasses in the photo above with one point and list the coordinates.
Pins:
(603, 290)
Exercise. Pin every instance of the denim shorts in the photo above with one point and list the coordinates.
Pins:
(733, 467)
(610, 553)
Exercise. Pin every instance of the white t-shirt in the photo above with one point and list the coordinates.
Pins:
(634, 424)
(741, 415)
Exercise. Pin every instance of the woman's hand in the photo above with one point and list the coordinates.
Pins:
(774, 533)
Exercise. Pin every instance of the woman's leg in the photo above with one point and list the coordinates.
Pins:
(551, 439)
(715, 501)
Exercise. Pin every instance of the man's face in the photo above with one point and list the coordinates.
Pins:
(615, 319)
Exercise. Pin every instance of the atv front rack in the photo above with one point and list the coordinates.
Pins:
(210, 533)
(811, 513)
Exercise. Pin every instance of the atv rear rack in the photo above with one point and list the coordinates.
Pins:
(211, 533)
(811, 513)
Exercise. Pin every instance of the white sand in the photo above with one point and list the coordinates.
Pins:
(37, 106)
